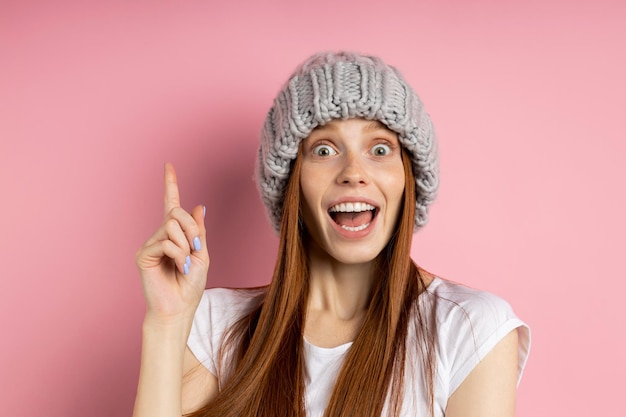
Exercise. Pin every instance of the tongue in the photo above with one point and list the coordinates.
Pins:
(353, 219)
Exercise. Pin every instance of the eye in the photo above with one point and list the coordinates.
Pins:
(381, 150)
(324, 150)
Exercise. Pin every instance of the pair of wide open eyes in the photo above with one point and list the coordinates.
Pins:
(380, 149)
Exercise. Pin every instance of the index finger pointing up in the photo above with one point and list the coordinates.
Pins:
(171, 198)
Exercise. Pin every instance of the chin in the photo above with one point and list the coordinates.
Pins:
(352, 255)
(333, 244)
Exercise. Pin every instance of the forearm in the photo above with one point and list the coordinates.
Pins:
(161, 372)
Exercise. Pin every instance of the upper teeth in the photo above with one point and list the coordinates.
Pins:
(351, 207)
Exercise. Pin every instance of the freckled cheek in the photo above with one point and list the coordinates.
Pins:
(311, 193)
(395, 190)
(315, 179)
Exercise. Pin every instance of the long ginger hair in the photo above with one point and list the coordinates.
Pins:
(267, 374)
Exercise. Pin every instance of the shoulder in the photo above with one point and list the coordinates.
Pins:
(227, 304)
(233, 297)
(218, 310)
(458, 305)
(469, 324)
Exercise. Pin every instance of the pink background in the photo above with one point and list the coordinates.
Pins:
(527, 98)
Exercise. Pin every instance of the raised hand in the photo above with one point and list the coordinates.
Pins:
(174, 262)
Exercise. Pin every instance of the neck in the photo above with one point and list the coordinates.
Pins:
(339, 289)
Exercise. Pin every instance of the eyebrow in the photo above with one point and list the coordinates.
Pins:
(375, 125)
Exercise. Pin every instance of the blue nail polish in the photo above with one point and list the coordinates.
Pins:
(196, 243)
(186, 269)
(188, 260)
(203, 211)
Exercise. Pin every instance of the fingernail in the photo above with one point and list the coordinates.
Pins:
(186, 269)
(197, 245)
(203, 211)
(188, 260)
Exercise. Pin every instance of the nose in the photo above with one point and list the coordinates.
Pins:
(353, 171)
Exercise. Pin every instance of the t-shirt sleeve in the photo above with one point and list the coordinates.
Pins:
(200, 340)
(473, 324)
(218, 310)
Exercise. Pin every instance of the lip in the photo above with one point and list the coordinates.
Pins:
(347, 234)
(353, 199)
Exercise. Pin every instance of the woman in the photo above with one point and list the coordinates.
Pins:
(349, 325)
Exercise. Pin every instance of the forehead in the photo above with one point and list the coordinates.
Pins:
(363, 124)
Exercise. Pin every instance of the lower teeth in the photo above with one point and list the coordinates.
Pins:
(355, 229)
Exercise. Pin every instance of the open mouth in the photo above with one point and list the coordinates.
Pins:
(354, 216)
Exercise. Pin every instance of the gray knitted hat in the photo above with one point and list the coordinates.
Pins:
(344, 85)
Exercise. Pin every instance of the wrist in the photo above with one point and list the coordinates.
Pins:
(171, 327)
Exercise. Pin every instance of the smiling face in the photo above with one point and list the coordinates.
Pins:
(352, 183)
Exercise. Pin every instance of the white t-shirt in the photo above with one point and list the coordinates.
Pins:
(469, 324)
